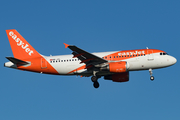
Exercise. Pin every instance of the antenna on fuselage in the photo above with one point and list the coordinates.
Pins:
(147, 48)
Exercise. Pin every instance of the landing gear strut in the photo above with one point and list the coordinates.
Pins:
(150, 72)
(94, 79)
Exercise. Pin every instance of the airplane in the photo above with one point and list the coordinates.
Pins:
(114, 65)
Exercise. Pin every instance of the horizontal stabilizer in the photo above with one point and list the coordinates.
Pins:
(17, 61)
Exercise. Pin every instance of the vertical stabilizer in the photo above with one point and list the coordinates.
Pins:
(20, 47)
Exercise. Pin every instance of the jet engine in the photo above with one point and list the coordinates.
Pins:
(118, 67)
(118, 77)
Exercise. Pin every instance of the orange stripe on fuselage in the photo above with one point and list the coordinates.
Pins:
(80, 68)
(123, 55)
(36, 66)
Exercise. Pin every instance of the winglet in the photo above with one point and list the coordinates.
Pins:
(66, 45)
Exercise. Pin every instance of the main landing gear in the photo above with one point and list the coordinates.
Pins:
(94, 79)
(150, 72)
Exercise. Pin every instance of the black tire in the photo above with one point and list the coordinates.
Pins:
(96, 85)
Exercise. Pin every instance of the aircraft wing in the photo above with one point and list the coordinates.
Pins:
(85, 57)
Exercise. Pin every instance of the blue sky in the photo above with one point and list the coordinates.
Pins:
(94, 26)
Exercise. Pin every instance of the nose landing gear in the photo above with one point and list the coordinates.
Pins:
(150, 72)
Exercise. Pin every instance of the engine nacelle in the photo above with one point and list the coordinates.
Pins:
(118, 77)
(118, 67)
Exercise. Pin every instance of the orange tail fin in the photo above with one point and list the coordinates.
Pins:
(20, 47)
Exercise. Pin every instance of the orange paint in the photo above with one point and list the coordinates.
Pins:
(37, 66)
(66, 45)
(20, 47)
(123, 55)
(117, 67)
(24, 51)
(80, 68)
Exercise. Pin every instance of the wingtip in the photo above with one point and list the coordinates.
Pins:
(66, 45)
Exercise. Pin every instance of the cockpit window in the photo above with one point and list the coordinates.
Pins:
(163, 54)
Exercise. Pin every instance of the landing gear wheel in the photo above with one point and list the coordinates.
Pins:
(96, 84)
(150, 72)
(152, 78)
(94, 79)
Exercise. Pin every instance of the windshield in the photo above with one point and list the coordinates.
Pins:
(163, 53)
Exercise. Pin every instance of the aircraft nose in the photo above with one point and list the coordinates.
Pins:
(173, 60)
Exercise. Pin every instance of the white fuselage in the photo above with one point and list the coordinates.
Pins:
(64, 64)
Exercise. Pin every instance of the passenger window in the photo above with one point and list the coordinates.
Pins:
(61, 60)
(160, 53)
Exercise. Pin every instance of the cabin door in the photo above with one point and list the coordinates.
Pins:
(43, 63)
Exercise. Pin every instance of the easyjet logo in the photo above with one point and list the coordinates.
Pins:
(20, 43)
(132, 53)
